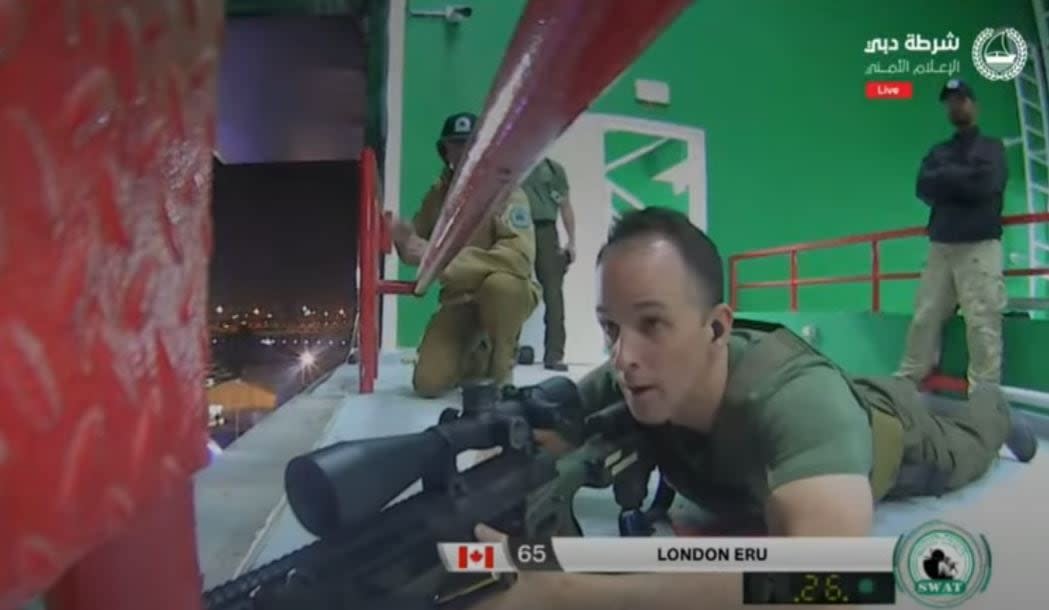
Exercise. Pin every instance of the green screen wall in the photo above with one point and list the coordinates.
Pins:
(795, 151)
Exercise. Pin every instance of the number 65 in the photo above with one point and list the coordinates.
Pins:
(531, 553)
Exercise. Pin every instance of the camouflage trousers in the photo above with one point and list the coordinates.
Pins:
(969, 276)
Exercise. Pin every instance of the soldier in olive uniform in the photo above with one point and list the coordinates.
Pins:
(486, 291)
(746, 418)
(548, 194)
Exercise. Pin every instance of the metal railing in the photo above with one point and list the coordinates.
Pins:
(936, 382)
(373, 242)
(876, 275)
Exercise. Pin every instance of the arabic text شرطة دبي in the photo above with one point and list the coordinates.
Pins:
(915, 43)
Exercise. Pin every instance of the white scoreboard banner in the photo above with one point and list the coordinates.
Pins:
(618, 555)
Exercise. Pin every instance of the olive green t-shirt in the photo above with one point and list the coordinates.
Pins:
(811, 425)
(546, 187)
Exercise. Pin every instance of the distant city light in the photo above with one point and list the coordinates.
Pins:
(219, 309)
(255, 311)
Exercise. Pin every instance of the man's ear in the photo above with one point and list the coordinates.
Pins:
(720, 323)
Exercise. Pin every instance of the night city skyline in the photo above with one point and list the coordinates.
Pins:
(284, 236)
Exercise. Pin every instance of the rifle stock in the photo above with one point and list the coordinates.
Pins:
(370, 555)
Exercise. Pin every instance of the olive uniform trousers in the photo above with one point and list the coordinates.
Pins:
(550, 272)
(943, 449)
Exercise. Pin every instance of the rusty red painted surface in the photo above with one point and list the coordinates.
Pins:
(106, 130)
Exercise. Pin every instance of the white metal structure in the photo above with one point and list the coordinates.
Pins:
(1032, 107)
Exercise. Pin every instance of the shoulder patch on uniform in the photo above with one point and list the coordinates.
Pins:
(520, 218)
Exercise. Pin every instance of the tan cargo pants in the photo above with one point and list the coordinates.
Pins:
(474, 340)
(968, 275)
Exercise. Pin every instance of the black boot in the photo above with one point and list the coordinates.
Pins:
(1021, 440)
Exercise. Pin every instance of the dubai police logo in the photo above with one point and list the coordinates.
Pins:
(942, 565)
(999, 53)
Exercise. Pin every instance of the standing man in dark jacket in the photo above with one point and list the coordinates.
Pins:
(962, 180)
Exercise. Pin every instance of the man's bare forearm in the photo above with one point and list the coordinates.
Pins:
(568, 216)
(411, 249)
(407, 256)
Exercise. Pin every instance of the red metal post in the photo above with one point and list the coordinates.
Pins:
(563, 55)
(157, 553)
(107, 123)
(367, 260)
(875, 276)
(793, 280)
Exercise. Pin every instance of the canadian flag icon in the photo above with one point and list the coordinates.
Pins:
(476, 556)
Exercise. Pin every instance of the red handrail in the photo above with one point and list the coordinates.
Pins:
(875, 277)
(373, 241)
(368, 263)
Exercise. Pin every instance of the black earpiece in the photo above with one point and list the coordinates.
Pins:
(718, 328)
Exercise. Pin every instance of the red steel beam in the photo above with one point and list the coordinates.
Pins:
(563, 54)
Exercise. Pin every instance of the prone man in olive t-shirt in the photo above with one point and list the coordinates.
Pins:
(746, 416)
(807, 419)
(776, 436)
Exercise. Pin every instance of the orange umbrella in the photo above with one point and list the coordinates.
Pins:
(237, 394)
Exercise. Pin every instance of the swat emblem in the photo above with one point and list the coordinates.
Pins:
(520, 217)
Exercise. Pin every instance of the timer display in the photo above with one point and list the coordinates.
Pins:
(844, 588)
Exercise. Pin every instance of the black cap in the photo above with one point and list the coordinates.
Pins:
(956, 87)
(458, 126)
